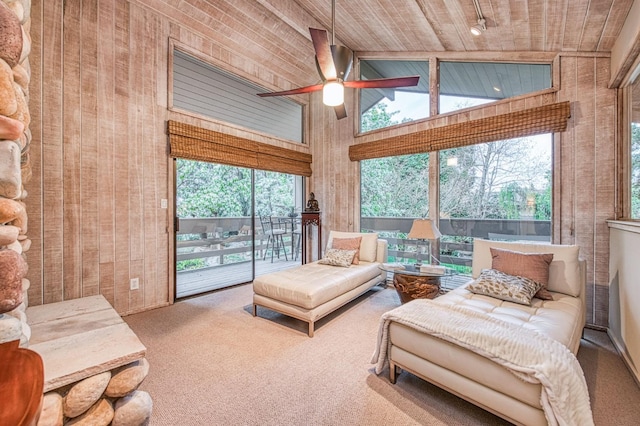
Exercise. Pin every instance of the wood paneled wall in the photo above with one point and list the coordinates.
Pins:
(585, 172)
(102, 163)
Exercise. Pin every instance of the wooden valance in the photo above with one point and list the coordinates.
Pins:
(195, 143)
(533, 121)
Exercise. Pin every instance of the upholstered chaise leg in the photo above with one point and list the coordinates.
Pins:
(393, 372)
(255, 310)
(310, 328)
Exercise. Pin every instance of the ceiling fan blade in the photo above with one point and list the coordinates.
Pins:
(341, 111)
(324, 58)
(383, 82)
(298, 91)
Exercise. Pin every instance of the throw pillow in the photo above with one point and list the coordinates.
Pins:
(504, 286)
(368, 245)
(348, 244)
(336, 257)
(534, 266)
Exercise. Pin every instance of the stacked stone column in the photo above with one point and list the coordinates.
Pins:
(15, 169)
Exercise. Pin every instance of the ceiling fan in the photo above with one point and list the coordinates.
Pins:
(334, 64)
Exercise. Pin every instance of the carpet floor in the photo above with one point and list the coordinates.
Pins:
(213, 363)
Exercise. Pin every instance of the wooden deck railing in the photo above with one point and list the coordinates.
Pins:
(224, 236)
(201, 238)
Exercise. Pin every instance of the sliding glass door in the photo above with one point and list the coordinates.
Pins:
(233, 224)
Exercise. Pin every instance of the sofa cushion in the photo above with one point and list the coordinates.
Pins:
(348, 244)
(561, 318)
(368, 245)
(337, 257)
(564, 270)
(503, 286)
(534, 266)
(313, 284)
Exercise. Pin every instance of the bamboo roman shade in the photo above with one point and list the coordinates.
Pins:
(195, 143)
(533, 121)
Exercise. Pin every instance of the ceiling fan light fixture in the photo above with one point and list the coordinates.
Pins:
(333, 93)
(479, 28)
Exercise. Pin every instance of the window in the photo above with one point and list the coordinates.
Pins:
(381, 108)
(394, 190)
(498, 191)
(204, 89)
(467, 84)
(635, 147)
(461, 85)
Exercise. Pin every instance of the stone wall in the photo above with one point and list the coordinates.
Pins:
(109, 398)
(15, 170)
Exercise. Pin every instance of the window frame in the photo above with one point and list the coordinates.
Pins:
(624, 209)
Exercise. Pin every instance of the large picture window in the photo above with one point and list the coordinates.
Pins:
(499, 190)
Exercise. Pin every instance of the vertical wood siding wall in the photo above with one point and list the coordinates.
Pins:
(99, 106)
(585, 190)
(102, 169)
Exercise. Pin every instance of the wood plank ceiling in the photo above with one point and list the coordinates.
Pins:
(428, 26)
(443, 25)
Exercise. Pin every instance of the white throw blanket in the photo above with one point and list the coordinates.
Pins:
(531, 356)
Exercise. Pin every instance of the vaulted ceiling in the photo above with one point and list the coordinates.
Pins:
(275, 33)
(443, 25)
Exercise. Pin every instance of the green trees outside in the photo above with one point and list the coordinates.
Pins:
(210, 190)
(395, 186)
(497, 180)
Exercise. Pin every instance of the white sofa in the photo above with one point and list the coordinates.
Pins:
(480, 380)
(312, 291)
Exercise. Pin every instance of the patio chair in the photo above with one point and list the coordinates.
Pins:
(274, 237)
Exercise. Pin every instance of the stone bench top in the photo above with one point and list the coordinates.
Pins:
(80, 338)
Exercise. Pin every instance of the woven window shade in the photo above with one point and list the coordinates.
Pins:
(544, 119)
(195, 143)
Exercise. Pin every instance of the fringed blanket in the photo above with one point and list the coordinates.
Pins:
(531, 356)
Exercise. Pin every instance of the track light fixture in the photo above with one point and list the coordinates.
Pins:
(481, 26)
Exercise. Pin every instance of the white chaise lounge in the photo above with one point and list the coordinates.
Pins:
(458, 368)
(311, 291)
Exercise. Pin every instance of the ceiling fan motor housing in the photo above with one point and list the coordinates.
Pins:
(342, 61)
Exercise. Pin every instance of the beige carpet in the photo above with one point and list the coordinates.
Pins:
(213, 363)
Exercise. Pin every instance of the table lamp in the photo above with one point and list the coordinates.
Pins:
(423, 230)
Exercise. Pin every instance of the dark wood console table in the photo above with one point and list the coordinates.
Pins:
(310, 218)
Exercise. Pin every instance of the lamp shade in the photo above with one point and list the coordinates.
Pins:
(424, 229)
